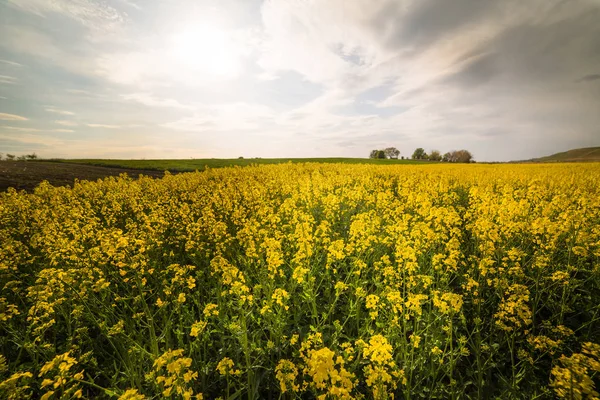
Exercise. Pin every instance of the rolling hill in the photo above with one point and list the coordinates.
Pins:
(584, 154)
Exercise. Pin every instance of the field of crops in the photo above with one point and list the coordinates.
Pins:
(199, 164)
(311, 281)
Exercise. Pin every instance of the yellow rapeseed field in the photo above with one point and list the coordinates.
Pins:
(306, 281)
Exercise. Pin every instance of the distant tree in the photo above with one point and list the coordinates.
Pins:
(21, 158)
(373, 154)
(458, 156)
(435, 155)
(380, 154)
(0, 156)
(32, 156)
(10, 157)
(403, 157)
(419, 154)
(446, 157)
(464, 156)
(392, 152)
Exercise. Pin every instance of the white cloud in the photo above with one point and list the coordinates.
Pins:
(9, 80)
(149, 100)
(62, 130)
(58, 111)
(104, 126)
(80, 93)
(65, 122)
(44, 48)
(90, 13)
(225, 117)
(11, 63)
(11, 117)
(19, 129)
(131, 4)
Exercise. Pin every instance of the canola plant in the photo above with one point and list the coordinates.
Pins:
(305, 281)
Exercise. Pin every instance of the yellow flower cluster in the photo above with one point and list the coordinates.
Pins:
(232, 278)
(513, 311)
(173, 375)
(447, 303)
(131, 394)
(328, 375)
(573, 378)
(280, 296)
(286, 373)
(226, 367)
(381, 373)
(58, 377)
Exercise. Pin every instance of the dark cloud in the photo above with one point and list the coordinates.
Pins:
(545, 41)
(424, 22)
(551, 50)
(478, 72)
(589, 78)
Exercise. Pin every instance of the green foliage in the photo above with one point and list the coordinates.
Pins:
(435, 155)
(388, 153)
(419, 154)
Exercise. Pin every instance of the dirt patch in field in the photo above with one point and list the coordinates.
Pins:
(26, 175)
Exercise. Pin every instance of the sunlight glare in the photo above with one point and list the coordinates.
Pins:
(206, 49)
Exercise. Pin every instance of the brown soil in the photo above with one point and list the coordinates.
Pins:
(26, 175)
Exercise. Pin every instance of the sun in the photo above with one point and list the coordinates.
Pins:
(206, 49)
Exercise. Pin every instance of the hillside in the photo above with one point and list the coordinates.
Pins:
(585, 154)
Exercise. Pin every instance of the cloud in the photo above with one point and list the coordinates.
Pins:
(65, 122)
(191, 54)
(589, 78)
(19, 129)
(58, 111)
(62, 130)
(9, 80)
(85, 93)
(104, 126)
(11, 117)
(72, 52)
(35, 140)
(11, 63)
(149, 100)
(505, 79)
(131, 4)
(233, 117)
(96, 15)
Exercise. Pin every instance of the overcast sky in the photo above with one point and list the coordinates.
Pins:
(506, 79)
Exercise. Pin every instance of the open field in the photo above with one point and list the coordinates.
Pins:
(305, 281)
(201, 164)
(26, 175)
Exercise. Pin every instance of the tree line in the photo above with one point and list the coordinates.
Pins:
(25, 157)
(390, 152)
(454, 156)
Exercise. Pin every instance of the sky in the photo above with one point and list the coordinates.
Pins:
(505, 79)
